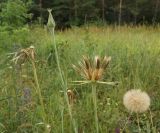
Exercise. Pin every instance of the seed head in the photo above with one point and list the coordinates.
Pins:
(71, 96)
(136, 101)
(92, 70)
(23, 55)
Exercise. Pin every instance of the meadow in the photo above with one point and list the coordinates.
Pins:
(28, 107)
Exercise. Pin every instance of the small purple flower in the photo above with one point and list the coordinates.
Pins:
(26, 98)
(117, 130)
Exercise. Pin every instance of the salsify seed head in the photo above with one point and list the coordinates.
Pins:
(92, 70)
(23, 55)
(136, 100)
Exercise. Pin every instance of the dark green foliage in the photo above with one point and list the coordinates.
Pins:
(14, 13)
(78, 12)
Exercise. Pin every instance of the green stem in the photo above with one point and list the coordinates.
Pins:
(139, 128)
(95, 106)
(126, 123)
(62, 113)
(39, 93)
(151, 117)
(64, 84)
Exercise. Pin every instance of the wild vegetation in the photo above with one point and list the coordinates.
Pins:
(134, 64)
(57, 77)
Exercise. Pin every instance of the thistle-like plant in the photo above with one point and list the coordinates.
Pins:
(23, 55)
(92, 72)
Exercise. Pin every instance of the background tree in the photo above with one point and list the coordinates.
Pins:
(14, 13)
(78, 12)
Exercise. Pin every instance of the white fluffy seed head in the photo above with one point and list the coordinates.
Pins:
(136, 101)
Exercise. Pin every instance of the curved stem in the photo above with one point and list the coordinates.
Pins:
(95, 106)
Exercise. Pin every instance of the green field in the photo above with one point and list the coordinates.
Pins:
(135, 64)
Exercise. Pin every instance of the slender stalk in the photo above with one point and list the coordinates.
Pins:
(151, 117)
(126, 123)
(64, 84)
(62, 111)
(95, 106)
(139, 128)
(39, 92)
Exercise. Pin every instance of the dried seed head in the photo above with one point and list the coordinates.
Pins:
(71, 96)
(23, 55)
(92, 70)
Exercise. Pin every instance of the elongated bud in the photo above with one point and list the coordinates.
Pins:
(51, 23)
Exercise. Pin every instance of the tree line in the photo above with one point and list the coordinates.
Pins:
(79, 12)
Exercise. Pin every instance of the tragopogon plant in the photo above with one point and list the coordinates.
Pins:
(137, 101)
(28, 55)
(24, 55)
(93, 72)
(51, 27)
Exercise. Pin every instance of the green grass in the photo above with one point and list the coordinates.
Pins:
(135, 63)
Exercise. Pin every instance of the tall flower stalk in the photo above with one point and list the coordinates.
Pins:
(92, 73)
(51, 27)
(23, 56)
(95, 105)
